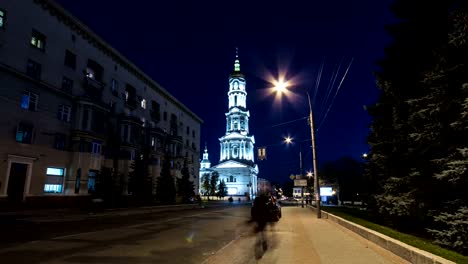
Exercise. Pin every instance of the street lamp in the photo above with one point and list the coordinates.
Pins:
(280, 86)
(288, 140)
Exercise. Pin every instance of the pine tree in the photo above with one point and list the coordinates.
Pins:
(222, 189)
(450, 227)
(165, 188)
(214, 183)
(185, 187)
(206, 184)
(418, 161)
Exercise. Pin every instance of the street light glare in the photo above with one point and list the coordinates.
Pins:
(281, 86)
(288, 140)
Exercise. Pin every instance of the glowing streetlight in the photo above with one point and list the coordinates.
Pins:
(288, 140)
(281, 86)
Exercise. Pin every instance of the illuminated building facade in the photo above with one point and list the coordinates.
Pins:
(74, 109)
(237, 166)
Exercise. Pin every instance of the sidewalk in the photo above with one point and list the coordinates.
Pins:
(299, 237)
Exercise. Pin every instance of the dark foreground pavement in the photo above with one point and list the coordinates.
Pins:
(202, 235)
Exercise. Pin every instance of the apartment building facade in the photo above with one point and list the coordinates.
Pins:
(73, 107)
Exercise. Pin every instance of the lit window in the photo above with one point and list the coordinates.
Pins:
(152, 141)
(54, 180)
(29, 101)
(64, 113)
(89, 73)
(143, 103)
(96, 148)
(38, 40)
(92, 181)
(2, 18)
(24, 133)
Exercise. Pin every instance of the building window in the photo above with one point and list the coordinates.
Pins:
(29, 101)
(59, 142)
(152, 141)
(193, 133)
(33, 69)
(67, 85)
(70, 59)
(132, 155)
(188, 130)
(165, 116)
(24, 133)
(96, 148)
(2, 18)
(64, 113)
(38, 40)
(92, 181)
(114, 87)
(54, 180)
(143, 103)
(94, 70)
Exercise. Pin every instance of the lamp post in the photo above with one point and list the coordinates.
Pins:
(288, 141)
(281, 86)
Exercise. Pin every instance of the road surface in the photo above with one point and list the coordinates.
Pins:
(209, 235)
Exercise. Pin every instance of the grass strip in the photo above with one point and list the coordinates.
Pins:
(412, 240)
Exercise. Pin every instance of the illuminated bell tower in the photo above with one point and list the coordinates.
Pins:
(237, 144)
(205, 163)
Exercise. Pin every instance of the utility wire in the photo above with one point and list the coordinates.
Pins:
(337, 90)
(317, 80)
(331, 85)
(288, 122)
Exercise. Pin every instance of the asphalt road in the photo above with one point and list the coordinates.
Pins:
(208, 235)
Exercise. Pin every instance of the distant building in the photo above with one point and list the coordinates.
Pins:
(237, 166)
(73, 109)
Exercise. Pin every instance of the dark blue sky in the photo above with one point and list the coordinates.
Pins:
(189, 47)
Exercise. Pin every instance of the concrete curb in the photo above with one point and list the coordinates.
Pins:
(405, 251)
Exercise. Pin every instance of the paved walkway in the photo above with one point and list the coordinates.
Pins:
(299, 237)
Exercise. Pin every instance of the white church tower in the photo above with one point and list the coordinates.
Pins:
(205, 163)
(236, 163)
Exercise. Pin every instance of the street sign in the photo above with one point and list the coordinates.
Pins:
(299, 183)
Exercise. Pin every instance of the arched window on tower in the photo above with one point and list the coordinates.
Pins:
(235, 100)
(242, 122)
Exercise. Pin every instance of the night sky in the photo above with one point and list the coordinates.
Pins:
(189, 48)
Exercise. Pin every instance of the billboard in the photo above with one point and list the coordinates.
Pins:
(326, 191)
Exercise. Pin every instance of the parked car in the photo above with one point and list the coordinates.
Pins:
(265, 208)
(290, 201)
